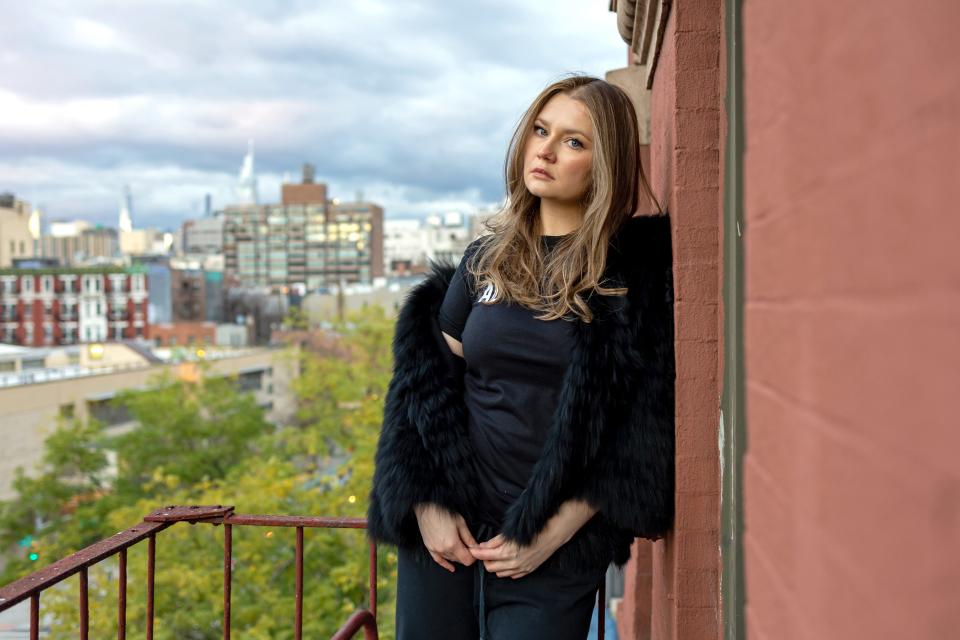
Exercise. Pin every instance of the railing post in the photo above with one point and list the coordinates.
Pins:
(151, 565)
(84, 605)
(122, 598)
(35, 616)
(227, 577)
(298, 563)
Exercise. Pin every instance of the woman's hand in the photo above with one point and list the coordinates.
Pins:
(445, 535)
(507, 559)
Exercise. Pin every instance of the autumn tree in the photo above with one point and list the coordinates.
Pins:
(207, 443)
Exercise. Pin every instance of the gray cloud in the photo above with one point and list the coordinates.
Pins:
(412, 102)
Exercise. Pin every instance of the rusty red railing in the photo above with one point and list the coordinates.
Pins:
(33, 585)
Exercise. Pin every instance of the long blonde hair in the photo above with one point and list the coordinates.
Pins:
(510, 258)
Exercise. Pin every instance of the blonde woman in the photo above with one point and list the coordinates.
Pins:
(528, 432)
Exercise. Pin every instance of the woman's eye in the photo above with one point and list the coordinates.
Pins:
(537, 129)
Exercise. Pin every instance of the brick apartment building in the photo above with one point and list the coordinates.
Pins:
(63, 305)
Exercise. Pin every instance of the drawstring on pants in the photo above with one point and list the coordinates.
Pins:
(483, 613)
(484, 532)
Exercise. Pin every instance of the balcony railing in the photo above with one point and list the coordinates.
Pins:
(32, 586)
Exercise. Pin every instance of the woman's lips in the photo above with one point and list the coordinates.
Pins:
(540, 173)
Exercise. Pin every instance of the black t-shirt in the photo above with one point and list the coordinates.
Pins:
(515, 366)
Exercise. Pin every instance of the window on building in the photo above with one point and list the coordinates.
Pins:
(108, 411)
(250, 381)
(47, 284)
(28, 284)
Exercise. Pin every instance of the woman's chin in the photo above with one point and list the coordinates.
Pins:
(537, 189)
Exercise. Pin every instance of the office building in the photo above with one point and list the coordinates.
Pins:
(304, 240)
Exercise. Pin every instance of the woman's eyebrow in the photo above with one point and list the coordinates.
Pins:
(565, 130)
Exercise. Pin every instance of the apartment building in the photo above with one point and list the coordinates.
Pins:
(64, 305)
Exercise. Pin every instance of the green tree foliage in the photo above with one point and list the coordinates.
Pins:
(188, 431)
(206, 443)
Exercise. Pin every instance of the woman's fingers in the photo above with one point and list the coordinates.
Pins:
(500, 566)
(465, 534)
(464, 556)
(495, 541)
(443, 562)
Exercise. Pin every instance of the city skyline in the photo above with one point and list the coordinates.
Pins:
(140, 96)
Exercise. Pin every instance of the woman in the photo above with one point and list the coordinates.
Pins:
(528, 431)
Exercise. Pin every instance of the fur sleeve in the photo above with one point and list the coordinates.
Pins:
(404, 474)
(423, 452)
(631, 479)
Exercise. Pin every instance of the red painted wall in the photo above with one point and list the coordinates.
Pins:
(852, 485)
(682, 600)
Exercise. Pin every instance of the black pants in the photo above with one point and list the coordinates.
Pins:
(472, 603)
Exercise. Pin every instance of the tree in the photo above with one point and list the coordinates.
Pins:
(206, 443)
(188, 431)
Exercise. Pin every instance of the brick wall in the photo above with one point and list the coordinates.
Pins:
(686, 112)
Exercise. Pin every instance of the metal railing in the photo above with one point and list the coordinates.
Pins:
(31, 586)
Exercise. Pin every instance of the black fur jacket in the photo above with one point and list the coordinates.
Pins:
(612, 438)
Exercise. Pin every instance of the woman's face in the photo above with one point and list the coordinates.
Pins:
(560, 142)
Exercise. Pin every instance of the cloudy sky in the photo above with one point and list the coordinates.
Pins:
(410, 101)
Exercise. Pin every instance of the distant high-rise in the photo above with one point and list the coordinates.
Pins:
(247, 188)
(16, 241)
(306, 239)
(125, 224)
(35, 223)
(76, 242)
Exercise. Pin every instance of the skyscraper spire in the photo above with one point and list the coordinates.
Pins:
(126, 211)
(35, 223)
(247, 189)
